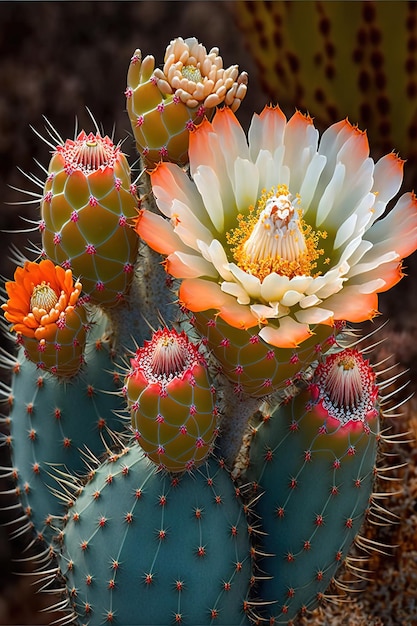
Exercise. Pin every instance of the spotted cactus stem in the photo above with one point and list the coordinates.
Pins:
(314, 455)
(193, 431)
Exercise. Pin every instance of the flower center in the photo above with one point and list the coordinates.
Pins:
(89, 152)
(275, 238)
(347, 386)
(169, 356)
(166, 356)
(42, 300)
(344, 385)
(192, 73)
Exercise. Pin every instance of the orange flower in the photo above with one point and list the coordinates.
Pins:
(40, 298)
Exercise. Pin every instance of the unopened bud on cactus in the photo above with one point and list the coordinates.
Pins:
(314, 461)
(87, 206)
(164, 105)
(172, 401)
(44, 313)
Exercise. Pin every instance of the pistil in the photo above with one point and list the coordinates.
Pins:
(275, 238)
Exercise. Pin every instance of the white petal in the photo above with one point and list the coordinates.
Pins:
(266, 167)
(246, 183)
(262, 311)
(310, 180)
(194, 265)
(282, 176)
(251, 284)
(188, 226)
(207, 184)
(301, 283)
(371, 286)
(330, 194)
(360, 251)
(266, 132)
(328, 284)
(345, 231)
(273, 287)
(309, 301)
(237, 291)
(291, 297)
(214, 253)
(373, 261)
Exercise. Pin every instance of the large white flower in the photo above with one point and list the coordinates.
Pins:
(281, 230)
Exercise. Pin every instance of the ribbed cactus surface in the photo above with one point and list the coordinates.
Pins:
(253, 366)
(316, 474)
(172, 401)
(144, 547)
(86, 210)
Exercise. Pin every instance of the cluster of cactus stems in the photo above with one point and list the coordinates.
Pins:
(194, 427)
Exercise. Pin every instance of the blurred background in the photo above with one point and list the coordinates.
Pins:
(332, 59)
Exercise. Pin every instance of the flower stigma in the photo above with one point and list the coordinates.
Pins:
(169, 355)
(42, 300)
(275, 238)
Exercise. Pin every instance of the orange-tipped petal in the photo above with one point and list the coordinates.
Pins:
(352, 305)
(289, 334)
(266, 131)
(157, 232)
(202, 295)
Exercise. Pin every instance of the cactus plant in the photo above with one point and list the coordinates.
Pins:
(313, 459)
(172, 402)
(45, 438)
(124, 532)
(220, 284)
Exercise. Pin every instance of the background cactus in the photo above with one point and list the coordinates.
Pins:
(161, 476)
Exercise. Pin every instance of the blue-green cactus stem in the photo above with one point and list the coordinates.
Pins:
(143, 546)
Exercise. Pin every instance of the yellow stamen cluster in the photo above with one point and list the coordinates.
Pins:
(275, 238)
(191, 72)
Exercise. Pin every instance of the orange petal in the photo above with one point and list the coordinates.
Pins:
(157, 232)
(289, 334)
(197, 295)
(352, 305)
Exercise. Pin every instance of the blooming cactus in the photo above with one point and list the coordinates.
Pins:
(42, 308)
(172, 401)
(165, 104)
(281, 231)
